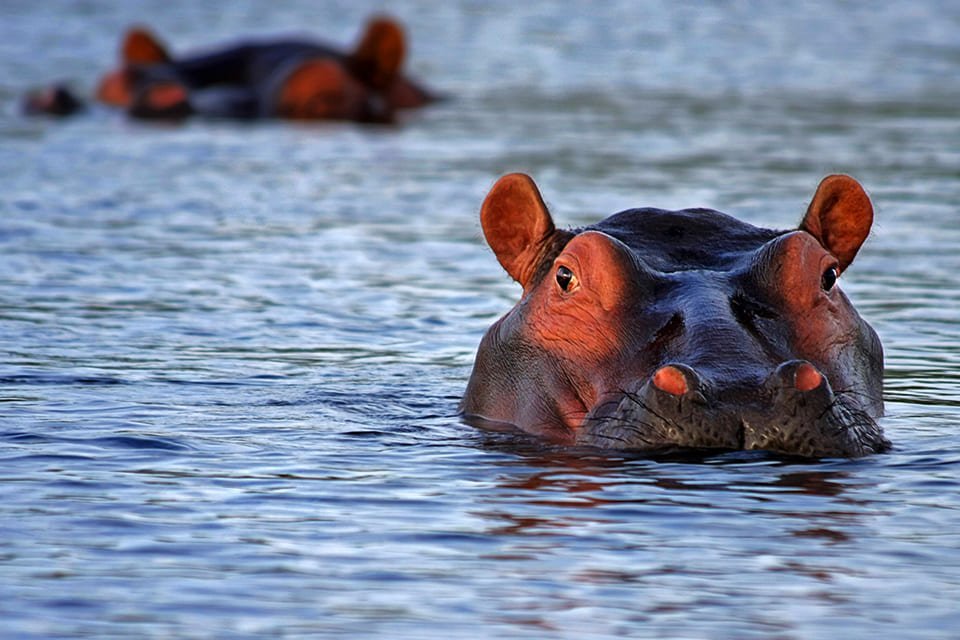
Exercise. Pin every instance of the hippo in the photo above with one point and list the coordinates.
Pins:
(656, 330)
(292, 78)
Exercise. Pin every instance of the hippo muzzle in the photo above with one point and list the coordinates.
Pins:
(795, 410)
(657, 329)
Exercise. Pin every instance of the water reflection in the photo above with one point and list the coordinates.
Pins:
(544, 492)
(664, 530)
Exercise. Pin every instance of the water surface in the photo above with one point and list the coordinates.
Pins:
(232, 354)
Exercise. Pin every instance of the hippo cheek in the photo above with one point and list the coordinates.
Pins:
(115, 89)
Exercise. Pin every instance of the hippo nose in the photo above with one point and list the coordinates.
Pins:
(779, 413)
(746, 412)
(792, 409)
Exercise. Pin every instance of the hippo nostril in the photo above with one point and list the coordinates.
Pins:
(670, 379)
(806, 377)
(798, 375)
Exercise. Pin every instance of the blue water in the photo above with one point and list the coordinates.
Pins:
(232, 354)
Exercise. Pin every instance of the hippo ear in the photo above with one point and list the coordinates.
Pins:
(380, 53)
(516, 224)
(142, 47)
(840, 217)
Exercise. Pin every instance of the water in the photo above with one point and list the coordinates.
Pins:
(232, 354)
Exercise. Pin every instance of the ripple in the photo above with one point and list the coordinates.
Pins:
(233, 352)
(59, 379)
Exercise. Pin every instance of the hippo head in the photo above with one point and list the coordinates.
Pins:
(657, 329)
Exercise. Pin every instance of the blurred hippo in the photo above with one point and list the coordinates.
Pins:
(291, 78)
(661, 330)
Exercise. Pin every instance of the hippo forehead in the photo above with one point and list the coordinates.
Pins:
(689, 239)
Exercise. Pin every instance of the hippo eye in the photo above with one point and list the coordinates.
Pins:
(829, 278)
(565, 278)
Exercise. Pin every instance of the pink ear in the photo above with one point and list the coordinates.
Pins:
(840, 217)
(517, 225)
(379, 56)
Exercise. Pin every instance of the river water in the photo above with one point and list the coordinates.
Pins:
(232, 354)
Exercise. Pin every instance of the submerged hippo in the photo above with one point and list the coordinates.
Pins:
(293, 78)
(657, 329)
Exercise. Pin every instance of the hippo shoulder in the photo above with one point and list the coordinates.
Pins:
(687, 239)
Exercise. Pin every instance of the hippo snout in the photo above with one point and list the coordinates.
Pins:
(794, 410)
